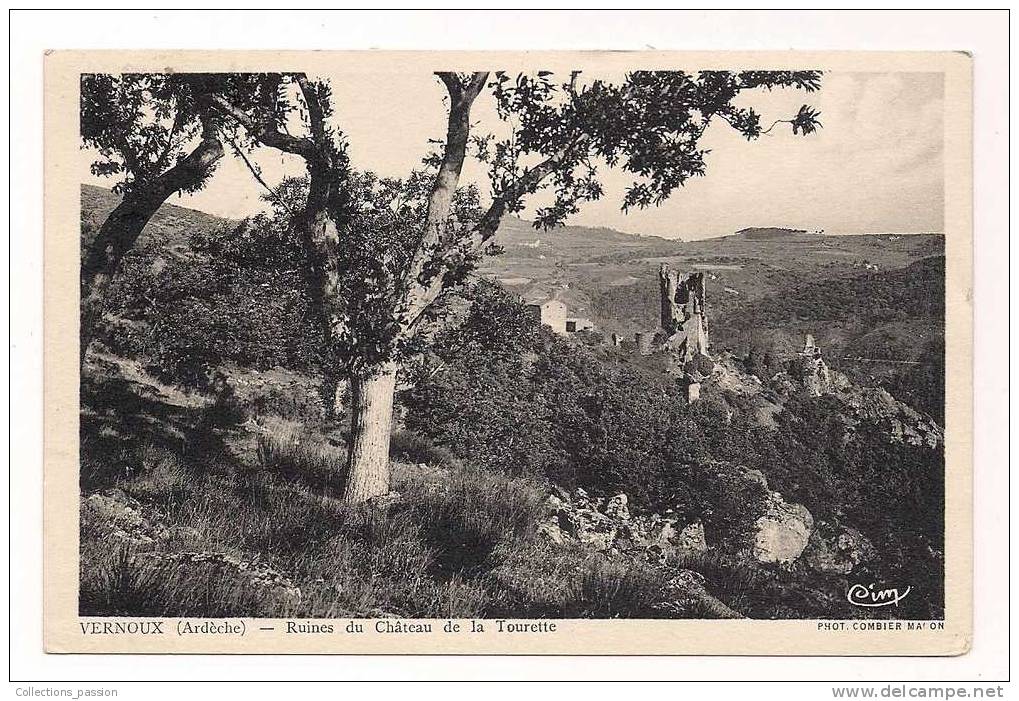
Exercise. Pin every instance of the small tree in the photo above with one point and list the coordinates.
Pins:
(156, 134)
(375, 297)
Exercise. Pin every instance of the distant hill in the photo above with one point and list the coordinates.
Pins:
(916, 291)
(517, 231)
(757, 277)
(859, 322)
(169, 228)
(768, 233)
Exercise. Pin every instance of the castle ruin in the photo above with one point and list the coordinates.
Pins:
(684, 320)
(810, 369)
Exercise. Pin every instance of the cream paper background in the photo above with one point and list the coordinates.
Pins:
(62, 632)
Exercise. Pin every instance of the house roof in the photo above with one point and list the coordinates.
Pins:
(544, 303)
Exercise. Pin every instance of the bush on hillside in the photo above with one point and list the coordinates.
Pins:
(236, 296)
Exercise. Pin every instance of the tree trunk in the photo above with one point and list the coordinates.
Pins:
(370, 430)
(114, 239)
(124, 225)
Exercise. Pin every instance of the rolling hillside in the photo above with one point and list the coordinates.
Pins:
(169, 228)
(766, 281)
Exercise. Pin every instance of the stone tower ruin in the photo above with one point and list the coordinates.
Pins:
(684, 319)
(809, 368)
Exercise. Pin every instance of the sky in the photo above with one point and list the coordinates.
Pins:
(876, 165)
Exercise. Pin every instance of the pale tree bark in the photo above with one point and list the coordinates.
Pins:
(373, 390)
(125, 223)
(462, 94)
(370, 431)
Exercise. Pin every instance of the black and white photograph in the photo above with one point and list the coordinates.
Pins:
(382, 346)
(500, 344)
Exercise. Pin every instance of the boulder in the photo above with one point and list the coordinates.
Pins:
(756, 476)
(559, 495)
(783, 532)
(691, 538)
(837, 552)
(617, 508)
(687, 597)
(550, 531)
(602, 539)
(581, 521)
(663, 534)
(114, 513)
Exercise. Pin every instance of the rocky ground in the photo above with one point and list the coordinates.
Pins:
(696, 577)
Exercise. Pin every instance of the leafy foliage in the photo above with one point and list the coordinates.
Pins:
(383, 234)
(141, 124)
(239, 297)
(531, 402)
(649, 125)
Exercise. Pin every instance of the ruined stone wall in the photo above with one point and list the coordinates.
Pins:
(684, 319)
(810, 369)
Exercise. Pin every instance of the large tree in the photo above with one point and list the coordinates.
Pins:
(375, 293)
(157, 135)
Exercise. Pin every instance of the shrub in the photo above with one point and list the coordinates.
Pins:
(238, 296)
(296, 454)
(407, 446)
(613, 589)
(471, 516)
(292, 401)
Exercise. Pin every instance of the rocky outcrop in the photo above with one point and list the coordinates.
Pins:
(690, 538)
(225, 568)
(837, 551)
(617, 508)
(113, 513)
(809, 369)
(809, 373)
(903, 423)
(606, 525)
(783, 532)
(813, 374)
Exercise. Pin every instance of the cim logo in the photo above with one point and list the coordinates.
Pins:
(872, 597)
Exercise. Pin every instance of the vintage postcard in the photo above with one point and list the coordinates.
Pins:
(508, 353)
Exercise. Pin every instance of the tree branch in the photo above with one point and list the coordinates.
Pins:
(265, 133)
(477, 84)
(171, 135)
(258, 176)
(453, 84)
(316, 115)
(194, 167)
(775, 124)
(420, 293)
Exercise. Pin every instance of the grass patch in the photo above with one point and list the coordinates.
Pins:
(459, 543)
(732, 580)
(407, 446)
(615, 589)
(119, 580)
(288, 449)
